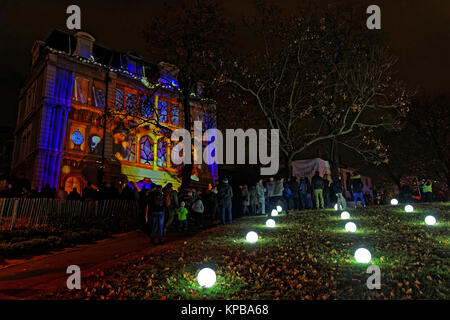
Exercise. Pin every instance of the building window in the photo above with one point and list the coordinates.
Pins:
(132, 101)
(175, 114)
(162, 111)
(99, 97)
(130, 148)
(147, 153)
(80, 90)
(147, 107)
(119, 99)
(162, 153)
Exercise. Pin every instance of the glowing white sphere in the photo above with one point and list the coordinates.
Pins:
(336, 207)
(394, 202)
(251, 237)
(274, 213)
(430, 220)
(350, 227)
(206, 277)
(363, 255)
(409, 208)
(279, 208)
(345, 215)
(270, 223)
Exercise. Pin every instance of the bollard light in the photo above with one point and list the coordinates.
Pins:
(206, 277)
(252, 237)
(350, 227)
(270, 223)
(363, 255)
(345, 215)
(430, 220)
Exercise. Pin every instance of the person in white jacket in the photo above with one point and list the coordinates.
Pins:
(197, 211)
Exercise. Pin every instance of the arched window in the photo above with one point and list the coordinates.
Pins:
(162, 153)
(132, 101)
(147, 155)
(72, 183)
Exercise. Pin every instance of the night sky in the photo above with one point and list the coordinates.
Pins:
(417, 30)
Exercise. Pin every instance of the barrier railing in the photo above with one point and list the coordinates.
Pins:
(16, 213)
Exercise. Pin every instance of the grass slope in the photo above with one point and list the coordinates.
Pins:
(308, 255)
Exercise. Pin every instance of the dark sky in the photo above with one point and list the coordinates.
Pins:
(418, 32)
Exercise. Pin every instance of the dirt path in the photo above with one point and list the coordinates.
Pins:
(32, 277)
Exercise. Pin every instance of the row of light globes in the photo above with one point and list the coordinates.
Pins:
(207, 276)
(362, 255)
(429, 220)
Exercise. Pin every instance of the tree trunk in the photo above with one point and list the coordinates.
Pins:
(334, 158)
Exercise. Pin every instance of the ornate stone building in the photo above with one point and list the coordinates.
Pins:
(85, 106)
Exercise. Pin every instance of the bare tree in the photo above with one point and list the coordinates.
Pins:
(315, 79)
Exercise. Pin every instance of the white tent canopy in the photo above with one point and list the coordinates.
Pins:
(307, 168)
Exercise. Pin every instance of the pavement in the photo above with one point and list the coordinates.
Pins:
(34, 276)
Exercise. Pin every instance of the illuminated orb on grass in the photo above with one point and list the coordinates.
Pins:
(206, 277)
(252, 237)
(345, 215)
(270, 223)
(394, 202)
(430, 220)
(279, 208)
(409, 208)
(350, 227)
(363, 255)
(274, 213)
(336, 207)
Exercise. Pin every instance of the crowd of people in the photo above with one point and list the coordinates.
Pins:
(162, 208)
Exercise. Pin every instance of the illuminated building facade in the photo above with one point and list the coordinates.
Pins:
(84, 105)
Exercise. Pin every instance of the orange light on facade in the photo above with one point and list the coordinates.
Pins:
(66, 169)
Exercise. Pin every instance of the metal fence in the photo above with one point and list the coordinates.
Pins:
(16, 213)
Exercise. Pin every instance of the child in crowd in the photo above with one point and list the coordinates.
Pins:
(182, 217)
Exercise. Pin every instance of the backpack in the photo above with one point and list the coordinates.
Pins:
(287, 192)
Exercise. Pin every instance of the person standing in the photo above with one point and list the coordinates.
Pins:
(198, 211)
(270, 186)
(260, 196)
(427, 191)
(317, 186)
(171, 197)
(225, 196)
(156, 209)
(356, 186)
(338, 189)
(326, 191)
(253, 200)
(278, 195)
(245, 200)
(182, 217)
(293, 185)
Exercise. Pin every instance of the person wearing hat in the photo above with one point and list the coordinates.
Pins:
(182, 217)
(225, 196)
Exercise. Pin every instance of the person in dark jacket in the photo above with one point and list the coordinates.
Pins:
(295, 189)
(156, 209)
(225, 196)
(317, 186)
(326, 191)
(338, 189)
(356, 186)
